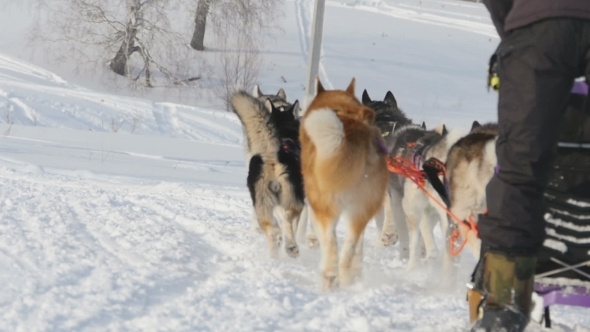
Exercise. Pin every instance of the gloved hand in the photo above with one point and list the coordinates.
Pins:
(493, 78)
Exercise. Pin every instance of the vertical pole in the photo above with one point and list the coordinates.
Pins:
(314, 51)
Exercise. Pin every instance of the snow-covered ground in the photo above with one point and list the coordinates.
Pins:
(148, 228)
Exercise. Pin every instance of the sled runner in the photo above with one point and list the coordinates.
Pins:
(563, 269)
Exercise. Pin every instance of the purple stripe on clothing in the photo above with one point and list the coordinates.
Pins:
(580, 88)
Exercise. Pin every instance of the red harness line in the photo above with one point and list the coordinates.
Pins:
(406, 168)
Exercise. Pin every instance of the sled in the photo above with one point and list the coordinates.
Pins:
(562, 275)
(563, 270)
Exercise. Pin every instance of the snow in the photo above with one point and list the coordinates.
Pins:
(121, 213)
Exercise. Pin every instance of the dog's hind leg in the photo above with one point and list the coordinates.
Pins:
(357, 261)
(388, 232)
(305, 233)
(289, 228)
(255, 226)
(325, 224)
(312, 238)
(264, 212)
(351, 254)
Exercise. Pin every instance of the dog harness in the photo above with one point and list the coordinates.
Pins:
(290, 146)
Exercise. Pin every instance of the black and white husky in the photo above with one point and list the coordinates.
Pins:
(274, 172)
(279, 100)
(388, 115)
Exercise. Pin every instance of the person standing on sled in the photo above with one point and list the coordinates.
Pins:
(545, 46)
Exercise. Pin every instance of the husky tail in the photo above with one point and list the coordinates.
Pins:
(261, 135)
(336, 154)
(326, 131)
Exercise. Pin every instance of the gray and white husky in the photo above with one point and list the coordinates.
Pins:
(470, 166)
(414, 213)
(274, 171)
(279, 100)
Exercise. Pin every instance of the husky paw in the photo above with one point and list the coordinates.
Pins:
(423, 252)
(389, 239)
(292, 251)
(329, 282)
(313, 242)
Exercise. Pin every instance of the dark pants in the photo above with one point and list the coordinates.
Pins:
(537, 67)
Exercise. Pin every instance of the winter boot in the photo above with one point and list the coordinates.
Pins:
(507, 285)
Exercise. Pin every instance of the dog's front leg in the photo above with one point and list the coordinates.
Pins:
(302, 224)
(413, 217)
(427, 224)
(400, 223)
(388, 232)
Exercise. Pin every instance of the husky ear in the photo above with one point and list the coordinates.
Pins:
(269, 105)
(257, 93)
(475, 125)
(366, 98)
(319, 88)
(350, 88)
(294, 108)
(389, 98)
(282, 94)
(444, 130)
(423, 125)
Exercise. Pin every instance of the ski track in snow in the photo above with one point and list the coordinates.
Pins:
(422, 14)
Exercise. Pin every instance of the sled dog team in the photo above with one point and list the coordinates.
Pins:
(331, 164)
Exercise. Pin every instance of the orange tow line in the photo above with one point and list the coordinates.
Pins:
(406, 168)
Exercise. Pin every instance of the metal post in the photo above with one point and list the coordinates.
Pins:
(314, 51)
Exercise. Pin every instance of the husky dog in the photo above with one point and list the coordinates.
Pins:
(274, 172)
(279, 100)
(470, 166)
(421, 213)
(389, 116)
(402, 144)
(345, 173)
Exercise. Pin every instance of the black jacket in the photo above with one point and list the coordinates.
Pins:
(512, 14)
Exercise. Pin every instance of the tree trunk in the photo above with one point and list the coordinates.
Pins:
(119, 62)
(200, 24)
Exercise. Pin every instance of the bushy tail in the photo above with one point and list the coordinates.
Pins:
(325, 130)
(261, 135)
(490, 152)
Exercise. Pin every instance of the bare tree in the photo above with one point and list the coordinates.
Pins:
(200, 24)
(241, 28)
(135, 38)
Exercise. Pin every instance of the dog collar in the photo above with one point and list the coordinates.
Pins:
(291, 146)
(381, 146)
